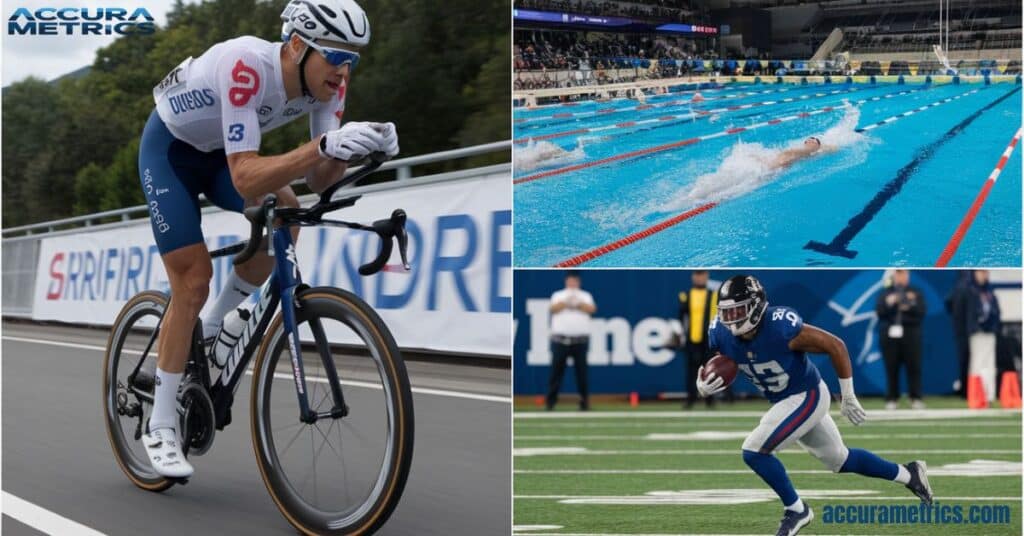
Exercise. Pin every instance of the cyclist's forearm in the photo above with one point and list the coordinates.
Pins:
(324, 174)
(254, 175)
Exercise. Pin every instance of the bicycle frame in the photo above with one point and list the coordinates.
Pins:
(280, 288)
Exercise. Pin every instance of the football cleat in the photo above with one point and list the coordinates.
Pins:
(792, 521)
(919, 481)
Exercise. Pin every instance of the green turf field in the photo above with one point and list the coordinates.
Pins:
(659, 470)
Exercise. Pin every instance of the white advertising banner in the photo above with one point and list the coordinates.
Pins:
(456, 297)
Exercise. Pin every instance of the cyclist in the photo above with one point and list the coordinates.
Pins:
(204, 137)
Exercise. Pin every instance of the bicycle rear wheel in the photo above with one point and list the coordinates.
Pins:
(132, 333)
(340, 475)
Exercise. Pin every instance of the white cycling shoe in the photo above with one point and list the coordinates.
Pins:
(165, 454)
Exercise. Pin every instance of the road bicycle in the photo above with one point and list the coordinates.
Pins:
(350, 406)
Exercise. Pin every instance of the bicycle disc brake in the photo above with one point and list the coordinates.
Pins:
(197, 420)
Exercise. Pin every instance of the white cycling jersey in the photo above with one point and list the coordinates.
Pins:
(232, 93)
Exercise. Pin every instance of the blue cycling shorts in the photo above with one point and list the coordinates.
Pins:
(173, 174)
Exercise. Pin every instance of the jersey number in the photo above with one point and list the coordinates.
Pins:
(776, 379)
(236, 131)
(779, 314)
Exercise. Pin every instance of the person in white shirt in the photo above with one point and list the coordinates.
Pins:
(571, 308)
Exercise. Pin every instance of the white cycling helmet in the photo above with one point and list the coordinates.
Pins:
(335, 20)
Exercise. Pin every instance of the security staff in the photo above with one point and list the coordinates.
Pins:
(571, 308)
(901, 310)
(697, 306)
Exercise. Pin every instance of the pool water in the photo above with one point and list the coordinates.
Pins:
(678, 183)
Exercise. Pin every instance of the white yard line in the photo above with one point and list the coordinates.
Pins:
(709, 436)
(940, 414)
(580, 451)
(703, 425)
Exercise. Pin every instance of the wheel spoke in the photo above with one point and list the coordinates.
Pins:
(296, 436)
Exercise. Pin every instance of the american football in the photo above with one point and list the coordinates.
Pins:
(723, 366)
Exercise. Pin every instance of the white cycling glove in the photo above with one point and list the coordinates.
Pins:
(354, 141)
(710, 385)
(850, 407)
(390, 144)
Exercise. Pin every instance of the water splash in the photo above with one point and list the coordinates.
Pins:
(538, 154)
(748, 166)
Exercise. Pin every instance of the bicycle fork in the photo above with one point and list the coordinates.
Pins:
(290, 279)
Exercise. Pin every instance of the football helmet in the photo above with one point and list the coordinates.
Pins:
(741, 304)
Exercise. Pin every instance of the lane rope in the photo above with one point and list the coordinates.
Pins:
(668, 146)
(691, 141)
(968, 219)
(638, 107)
(640, 235)
(839, 245)
(909, 113)
(701, 114)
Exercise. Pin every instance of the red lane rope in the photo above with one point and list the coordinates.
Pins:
(965, 224)
(607, 248)
(668, 146)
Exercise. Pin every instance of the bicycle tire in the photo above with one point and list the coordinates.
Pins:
(336, 304)
(139, 472)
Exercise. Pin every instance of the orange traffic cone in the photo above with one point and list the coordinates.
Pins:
(1009, 393)
(634, 399)
(976, 398)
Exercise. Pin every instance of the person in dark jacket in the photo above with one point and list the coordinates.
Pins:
(983, 323)
(976, 317)
(956, 306)
(901, 310)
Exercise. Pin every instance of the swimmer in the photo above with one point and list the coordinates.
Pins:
(697, 97)
(811, 147)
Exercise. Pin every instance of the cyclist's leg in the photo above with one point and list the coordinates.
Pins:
(246, 278)
(164, 166)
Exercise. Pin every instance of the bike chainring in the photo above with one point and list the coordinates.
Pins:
(197, 422)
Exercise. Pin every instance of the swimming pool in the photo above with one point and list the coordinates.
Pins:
(678, 182)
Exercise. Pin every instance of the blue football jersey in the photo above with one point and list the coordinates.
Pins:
(767, 360)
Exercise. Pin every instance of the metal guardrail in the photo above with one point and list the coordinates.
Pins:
(402, 167)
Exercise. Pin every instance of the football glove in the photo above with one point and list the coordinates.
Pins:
(850, 407)
(852, 410)
(710, 385)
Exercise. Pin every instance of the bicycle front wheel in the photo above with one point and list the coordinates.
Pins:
(337, 475)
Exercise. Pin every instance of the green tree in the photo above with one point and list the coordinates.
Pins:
(439, 70)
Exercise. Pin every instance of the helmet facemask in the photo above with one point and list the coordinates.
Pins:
(741, 304)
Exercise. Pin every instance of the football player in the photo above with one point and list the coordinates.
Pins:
(769, 344)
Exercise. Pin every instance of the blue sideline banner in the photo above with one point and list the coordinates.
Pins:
(637, 311)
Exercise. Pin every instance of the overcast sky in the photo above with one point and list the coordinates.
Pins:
(50, 56)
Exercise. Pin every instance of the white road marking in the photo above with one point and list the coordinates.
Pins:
(42, 519)
(280, 376)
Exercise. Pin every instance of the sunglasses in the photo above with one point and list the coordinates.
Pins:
(336, 56)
